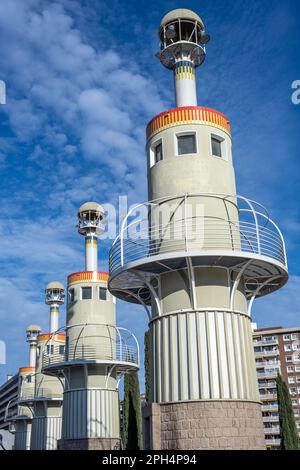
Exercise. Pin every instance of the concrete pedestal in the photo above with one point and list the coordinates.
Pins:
(203, 425)
(89, 444)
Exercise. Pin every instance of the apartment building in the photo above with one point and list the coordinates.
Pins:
(8, 394)
(276, 350)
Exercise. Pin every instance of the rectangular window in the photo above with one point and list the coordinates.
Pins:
(102, 293)
(288, 347)
(286, 337)
(290, 368)
(296, 347)
(295, 336)
(86, 293)
(61, 349)
(297, 368)
(291, 380)
(289, 358)
(216, 147)
(71, 295)
(186, 144)
(158, 153)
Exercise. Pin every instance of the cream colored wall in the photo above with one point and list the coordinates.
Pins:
(193, 173)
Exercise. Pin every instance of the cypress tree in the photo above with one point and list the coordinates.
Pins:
(288, 430)
(132, 415)
(147, 366)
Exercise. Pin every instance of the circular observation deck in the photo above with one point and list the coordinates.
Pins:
(246, 241)
(114, 347)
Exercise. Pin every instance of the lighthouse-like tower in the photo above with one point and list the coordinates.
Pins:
(196, 260)
(22, 419)
(97, 352)
(47, 404)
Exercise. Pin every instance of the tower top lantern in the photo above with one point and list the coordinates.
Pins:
(182, 36)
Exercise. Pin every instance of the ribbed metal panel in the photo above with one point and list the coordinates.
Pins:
(22, 440)
(38, 434)
(203, 355)
(45, 432)
(91, 413)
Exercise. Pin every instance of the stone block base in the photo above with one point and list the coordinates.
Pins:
(203, 425)
(89, 444)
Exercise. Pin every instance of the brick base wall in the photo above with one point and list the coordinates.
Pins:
(215, 425)
(89, 444)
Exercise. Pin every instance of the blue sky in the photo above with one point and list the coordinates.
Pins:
(82, 83)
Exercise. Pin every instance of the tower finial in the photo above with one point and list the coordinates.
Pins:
(182, 49)
(55, 296)
(90, 224)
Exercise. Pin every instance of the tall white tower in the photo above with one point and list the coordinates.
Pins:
(47, 404)
(22, 419)
(97, 352)
(196, 261)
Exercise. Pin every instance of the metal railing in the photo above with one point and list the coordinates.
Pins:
(275, 352)
(266, 364)
(39, 393)
(267, 384)
(272, 442)
(271, 419)
(146, 237)
(95, 342)
(272, 430)
(268, 373)
(265, 342)
(268, 396)
(270, 407)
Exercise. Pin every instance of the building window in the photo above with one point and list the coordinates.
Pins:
(289, 358)
(293, 390)
(288, 347)
(286, 337)
(29, 379)
(186, 144)
(296, 347)
(71, 293)
(61, 349)
(291, 380)
(294, 336)
(158, 152)
(102, 293)
(49, 349)
(297, 368)
(290, 369)
(86, 293)
(216, 146)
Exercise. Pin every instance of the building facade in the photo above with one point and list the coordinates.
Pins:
(8, 394)
(277, 350)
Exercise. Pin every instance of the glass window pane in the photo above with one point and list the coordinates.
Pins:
(216, 147)
(158, 153)
(71, 295)
(186, 144)
(86, 293)
(102, 293)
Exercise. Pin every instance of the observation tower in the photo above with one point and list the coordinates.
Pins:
(196, 260)
(48, 395)
(97, 351)
(18, 413)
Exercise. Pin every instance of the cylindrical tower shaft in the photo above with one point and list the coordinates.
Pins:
(32, 355)
(46, 423)
(185, 83)
(91, 252)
